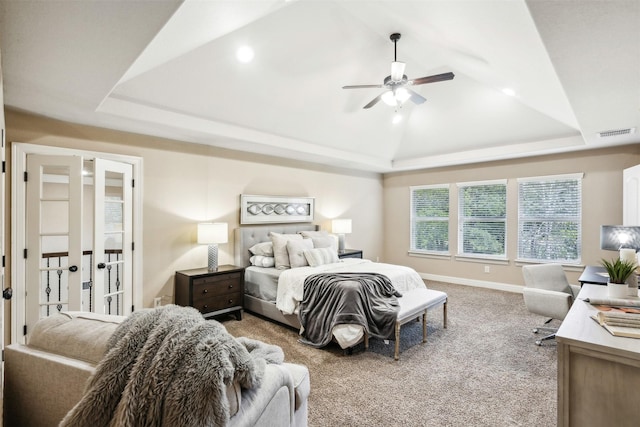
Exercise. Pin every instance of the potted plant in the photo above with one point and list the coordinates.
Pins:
(618, 271)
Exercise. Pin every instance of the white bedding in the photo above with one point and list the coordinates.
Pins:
(291, 281)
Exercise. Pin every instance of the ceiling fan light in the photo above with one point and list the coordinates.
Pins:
(389, 98)
(397, 71)
(402, 95)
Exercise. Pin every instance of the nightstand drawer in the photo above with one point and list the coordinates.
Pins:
(220, 287)
(207, 305)
(217, 279)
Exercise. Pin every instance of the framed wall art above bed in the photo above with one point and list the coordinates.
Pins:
(275, 209)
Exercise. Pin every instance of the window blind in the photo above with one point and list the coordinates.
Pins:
(430, 218)
(482, 219)
(550, 218)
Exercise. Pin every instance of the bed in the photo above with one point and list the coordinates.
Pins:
(274, 293)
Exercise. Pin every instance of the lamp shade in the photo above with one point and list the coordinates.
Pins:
(616, 237)
(212, 232)
(341, 226)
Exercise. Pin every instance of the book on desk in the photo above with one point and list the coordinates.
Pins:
(620, 317)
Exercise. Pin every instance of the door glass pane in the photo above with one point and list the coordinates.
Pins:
(113, 215)
(55, 216)
(53, 290)
(113, 290)
(55, 181)
(56, 247)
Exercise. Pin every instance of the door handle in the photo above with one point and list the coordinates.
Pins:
(102, 265)
(73, 268)
(7, 293)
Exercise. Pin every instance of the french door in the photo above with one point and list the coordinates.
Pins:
(78, 238)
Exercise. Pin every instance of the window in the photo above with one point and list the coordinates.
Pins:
(430, 218)
(550, 218)
(482, 219)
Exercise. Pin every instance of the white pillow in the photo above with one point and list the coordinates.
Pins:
(321, 256)
(296, 250)
(262, 248)
(262, 261)
(280, 248)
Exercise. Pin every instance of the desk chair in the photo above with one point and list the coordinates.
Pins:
(547, 292)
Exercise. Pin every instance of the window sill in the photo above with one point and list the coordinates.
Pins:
(482, 260)
(432, 255)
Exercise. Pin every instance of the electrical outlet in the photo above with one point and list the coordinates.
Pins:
(487, 269)
(157, 302)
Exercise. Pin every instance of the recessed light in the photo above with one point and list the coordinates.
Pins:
(244, 54)
(508, 91)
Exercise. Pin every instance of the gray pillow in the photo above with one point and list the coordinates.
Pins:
(296, 250)
(280, 248)
(262, 248)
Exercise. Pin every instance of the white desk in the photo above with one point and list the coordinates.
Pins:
(598, 374)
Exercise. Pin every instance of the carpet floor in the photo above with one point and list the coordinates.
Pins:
(483, 370)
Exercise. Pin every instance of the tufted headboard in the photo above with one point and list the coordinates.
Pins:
(245, 237)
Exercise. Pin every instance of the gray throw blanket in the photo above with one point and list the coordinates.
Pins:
(330, 299)
(169, 367)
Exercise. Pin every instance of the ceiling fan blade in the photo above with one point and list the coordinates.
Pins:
(432, 79)
(374, 101)
(416, 98)
(361, 86)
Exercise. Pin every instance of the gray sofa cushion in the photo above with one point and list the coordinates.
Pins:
(77, 335)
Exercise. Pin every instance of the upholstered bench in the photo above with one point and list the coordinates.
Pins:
(414, 303)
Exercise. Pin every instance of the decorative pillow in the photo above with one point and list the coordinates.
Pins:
(280, 248)
(296, 250)
(262, 248)
(321, 239)
(321, 256)
(325, 242)
(312, 234)
(262, 261)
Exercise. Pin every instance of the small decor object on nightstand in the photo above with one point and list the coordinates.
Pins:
(211, 292)
(211, 234)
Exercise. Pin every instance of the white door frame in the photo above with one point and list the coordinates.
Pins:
(19, 154)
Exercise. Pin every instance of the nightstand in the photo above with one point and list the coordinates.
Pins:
(350, 253)
(211, 292)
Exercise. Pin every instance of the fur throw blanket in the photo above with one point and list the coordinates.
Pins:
(169, 367)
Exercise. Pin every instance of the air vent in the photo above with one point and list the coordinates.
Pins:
(616, 132)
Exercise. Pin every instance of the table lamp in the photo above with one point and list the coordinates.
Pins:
(212, 233)
(619, 237)
(341, 227)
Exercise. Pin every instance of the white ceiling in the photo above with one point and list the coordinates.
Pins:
(168, 68)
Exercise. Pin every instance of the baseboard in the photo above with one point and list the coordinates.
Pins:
(475, 283)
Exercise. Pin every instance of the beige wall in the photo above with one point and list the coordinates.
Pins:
(601, 204)
(186, 183)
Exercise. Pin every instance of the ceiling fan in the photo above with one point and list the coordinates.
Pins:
(397, 83)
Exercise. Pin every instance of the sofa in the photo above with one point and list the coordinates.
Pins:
(47, 377)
